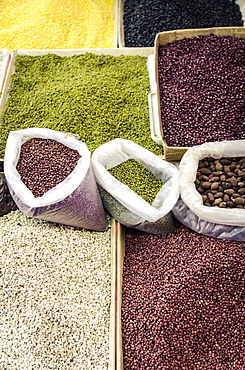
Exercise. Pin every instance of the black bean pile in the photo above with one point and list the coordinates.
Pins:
(183, 302)
(202, 90)
(221, 182)
(142, 20)
(44, 163)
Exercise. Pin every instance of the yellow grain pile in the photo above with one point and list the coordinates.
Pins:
(56, 24)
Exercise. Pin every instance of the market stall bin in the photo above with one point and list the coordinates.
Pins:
(63, 52)
(179, 96)
(64, 314)
(139, 22)
(167, 300)
(115, 52)
(93, 290)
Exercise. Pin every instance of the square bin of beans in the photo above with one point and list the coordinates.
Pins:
(181, 301)
(140, 21)
(199, 75)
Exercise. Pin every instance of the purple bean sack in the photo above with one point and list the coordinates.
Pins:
(75, 201)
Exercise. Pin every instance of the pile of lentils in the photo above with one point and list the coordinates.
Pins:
(221, 182)
(143, 19)
(138, 178)
(44, 163)
(183, 301)
(55, 295)
(94, 96)
(202, 90)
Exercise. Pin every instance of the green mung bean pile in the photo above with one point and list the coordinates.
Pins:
(137, 178)
(98, 97)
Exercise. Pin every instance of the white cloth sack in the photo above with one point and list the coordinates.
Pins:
(75, 201)
(190, 196)
(137, 209)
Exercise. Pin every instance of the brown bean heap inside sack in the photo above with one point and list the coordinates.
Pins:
(221, 182)
(44, 163)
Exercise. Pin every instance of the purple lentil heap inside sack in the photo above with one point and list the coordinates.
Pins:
(202, 90)
(183, 302)
(44, 163)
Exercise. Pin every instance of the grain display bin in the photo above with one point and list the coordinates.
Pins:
(174, 152)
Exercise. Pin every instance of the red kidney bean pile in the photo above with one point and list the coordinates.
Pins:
(221, 182)
(202, 90)
(183, 302)
(143, 19)
(44, 163)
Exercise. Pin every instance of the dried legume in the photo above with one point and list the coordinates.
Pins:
(183, 301)
(95, 96)
(55, 295)
(163, 225)
(143, 19)
(137, 178)
(221, 182)
(202, 90)
(44, 163)
(56, 24)
(144, 183)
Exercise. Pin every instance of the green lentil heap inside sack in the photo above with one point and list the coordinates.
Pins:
(98, 97)
(138, 178)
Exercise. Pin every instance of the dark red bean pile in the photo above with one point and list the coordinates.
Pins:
(202, 90)
(44, 163)
(143, 19)
(183, 302)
